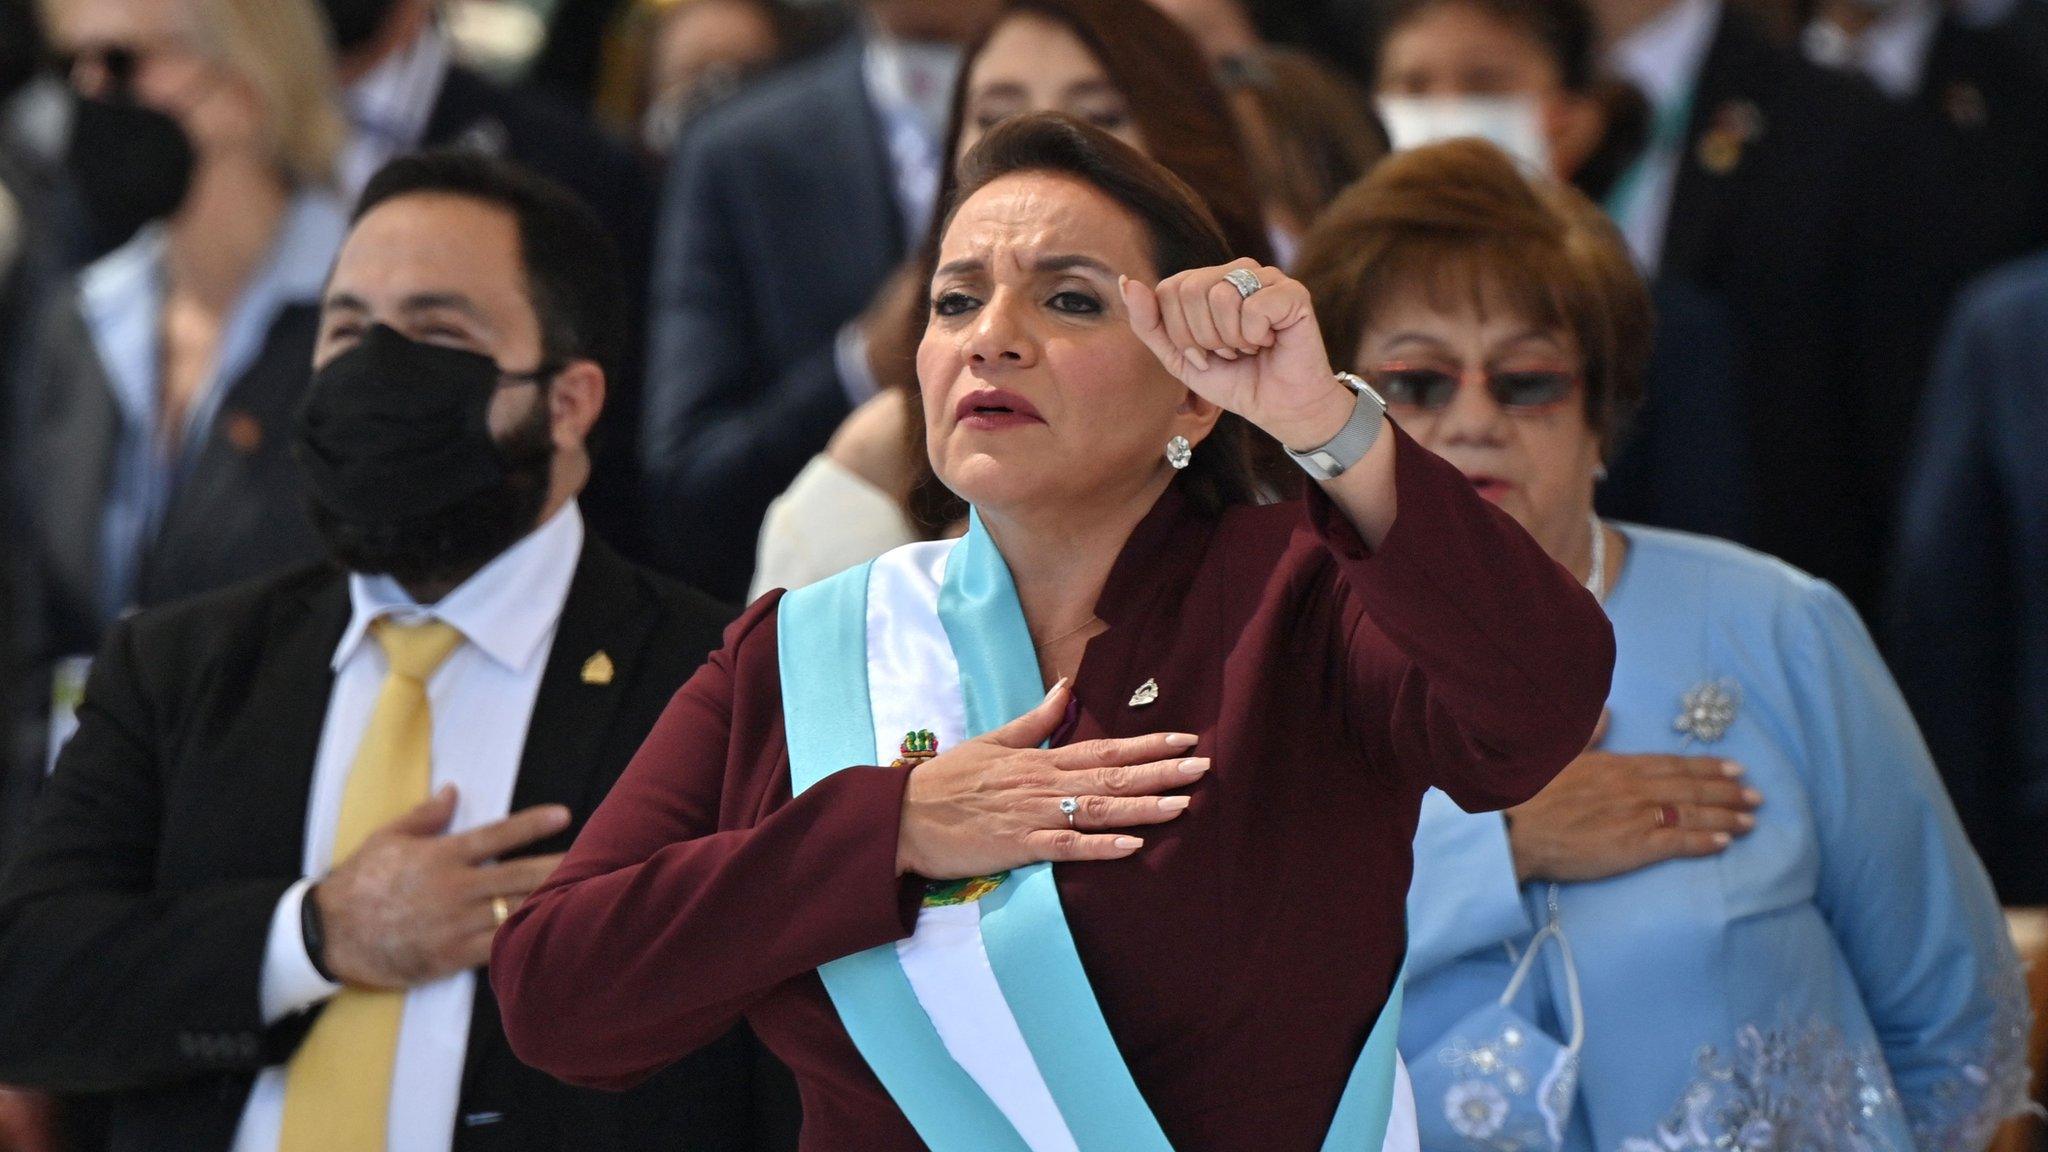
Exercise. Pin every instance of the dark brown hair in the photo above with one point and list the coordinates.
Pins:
(1174, 99)
(1458, 219)
(1181, 233)
(1567, 31)
(1315, 132)
(1186, 123)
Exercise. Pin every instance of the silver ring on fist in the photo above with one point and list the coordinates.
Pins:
(1245, 281)
(501, 909)
(1667, 815)
(1068, 806)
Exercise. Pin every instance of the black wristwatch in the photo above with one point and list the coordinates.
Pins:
(314, 933)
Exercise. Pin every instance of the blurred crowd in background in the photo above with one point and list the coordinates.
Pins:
(1841, 207)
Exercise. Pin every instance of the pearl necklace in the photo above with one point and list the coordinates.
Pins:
(1596, 580)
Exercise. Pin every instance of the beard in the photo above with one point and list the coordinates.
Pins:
(449, 545)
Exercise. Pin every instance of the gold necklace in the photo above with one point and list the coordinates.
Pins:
(1065, 635)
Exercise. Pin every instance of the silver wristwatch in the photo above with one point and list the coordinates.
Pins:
(1351, 442)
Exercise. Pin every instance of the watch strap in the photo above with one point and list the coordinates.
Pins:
(1341, 452)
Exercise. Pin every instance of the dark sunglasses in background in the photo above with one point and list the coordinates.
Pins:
(118, 64)
(1432, 389)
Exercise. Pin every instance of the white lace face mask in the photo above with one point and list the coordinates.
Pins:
(1514, 124)
(1495, 1080)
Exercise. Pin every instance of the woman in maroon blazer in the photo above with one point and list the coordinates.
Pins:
(1234, 771)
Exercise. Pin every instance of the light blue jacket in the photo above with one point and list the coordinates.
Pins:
(1840, 978)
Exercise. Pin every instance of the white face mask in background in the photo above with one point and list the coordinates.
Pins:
(1514, 124)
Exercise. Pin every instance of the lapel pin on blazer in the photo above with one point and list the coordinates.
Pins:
(244, 432)
(598, 669)
(1735, 125)
(1146, 694)
(1964, 103)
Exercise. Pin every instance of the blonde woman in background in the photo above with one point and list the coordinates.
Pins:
(154, 463)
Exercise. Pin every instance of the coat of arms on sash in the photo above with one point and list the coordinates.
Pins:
(918, 747)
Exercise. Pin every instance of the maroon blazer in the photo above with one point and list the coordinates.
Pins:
(1240, 957)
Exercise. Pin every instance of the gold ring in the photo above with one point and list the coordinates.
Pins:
(501, 909)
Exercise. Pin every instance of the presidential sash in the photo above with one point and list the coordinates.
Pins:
(982, 1025)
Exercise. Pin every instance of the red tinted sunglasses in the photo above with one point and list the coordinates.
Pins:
(1432, 389)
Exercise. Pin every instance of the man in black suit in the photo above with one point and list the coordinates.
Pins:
(403, 90)
(1796, 199)
(785, 209)
(192, 913)
(1976, 73)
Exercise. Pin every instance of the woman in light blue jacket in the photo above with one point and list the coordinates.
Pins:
(1755, 921)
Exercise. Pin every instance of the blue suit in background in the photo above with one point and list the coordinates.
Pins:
(779, 222)
(1967, 625)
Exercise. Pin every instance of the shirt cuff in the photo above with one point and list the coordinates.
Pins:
(850, 359)
(290, 983)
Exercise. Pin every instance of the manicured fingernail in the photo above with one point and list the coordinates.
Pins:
(1752, 797)
(1129, 843)
(1226, 353)
(1172, 803)
(1194, 767)
(1722, 839)
(1196, 358)
(558, 815)
(1730, 769)
(1055, 689)
(1745, 821)
(1181, 740)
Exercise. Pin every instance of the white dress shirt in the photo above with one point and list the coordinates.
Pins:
(911, 87)
(1663, 58)
(482, 701)
(389, 106)
(1892, 52)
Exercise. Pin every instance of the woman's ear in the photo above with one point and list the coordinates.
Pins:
(1195, 417)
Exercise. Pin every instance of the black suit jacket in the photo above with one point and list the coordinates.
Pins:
(548, 137)
(1985, 93)
(132, 925)
(1802, 202)
(779, 222)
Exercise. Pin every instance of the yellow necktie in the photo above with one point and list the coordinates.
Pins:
(337, 1094)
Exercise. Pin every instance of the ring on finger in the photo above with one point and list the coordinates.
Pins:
(1068, 806)
(1245, 281)
(1667, 815)
(501, 909)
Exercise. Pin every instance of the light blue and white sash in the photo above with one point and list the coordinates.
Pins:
(982, 1025)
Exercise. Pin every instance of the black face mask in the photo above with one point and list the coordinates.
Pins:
(130, 164)
(354, 23)
(404, 475)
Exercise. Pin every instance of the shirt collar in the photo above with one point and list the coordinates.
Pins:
(121, 295)
(508, 609)
(1892, 52)
(1664, 56)
(394, 100)
(911, 83)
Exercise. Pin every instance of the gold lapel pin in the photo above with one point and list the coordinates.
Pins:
(598, 669)
(1146, 693)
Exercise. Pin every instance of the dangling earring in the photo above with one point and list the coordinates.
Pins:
(1179, 452)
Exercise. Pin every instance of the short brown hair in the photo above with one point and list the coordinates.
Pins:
(1182, 234)
(1459, 217)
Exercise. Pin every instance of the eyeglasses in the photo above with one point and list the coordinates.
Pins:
(1432, 389)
